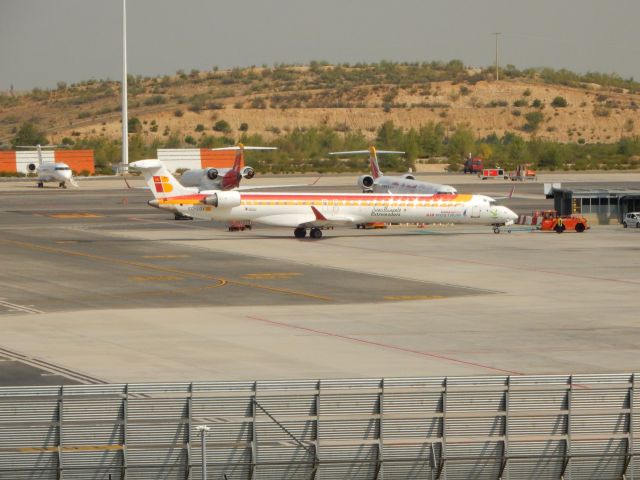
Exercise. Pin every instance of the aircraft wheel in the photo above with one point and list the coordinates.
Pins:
(300, 232)
(496, 229)
(40, 185)
(315, 233)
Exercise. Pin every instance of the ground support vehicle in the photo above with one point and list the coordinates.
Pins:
(552, 222)
(493, 173)
(522, 173)
(473, 165)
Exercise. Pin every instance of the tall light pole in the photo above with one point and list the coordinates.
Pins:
(497, 34)
(203, 429)
(125, 119)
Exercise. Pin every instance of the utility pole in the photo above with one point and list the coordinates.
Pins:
(125, 119)
(203, 429)
(497, 34)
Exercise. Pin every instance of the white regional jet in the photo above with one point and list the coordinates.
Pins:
(379, 183)
(313, 211)
(222, 178)
(50, 171)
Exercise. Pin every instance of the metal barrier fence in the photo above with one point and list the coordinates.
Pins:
(499, 427)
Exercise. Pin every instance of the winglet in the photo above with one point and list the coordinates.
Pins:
(318, 215)
(513, 189)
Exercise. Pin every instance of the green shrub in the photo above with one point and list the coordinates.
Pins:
(534, 119)
(559, 102)
(222, 126)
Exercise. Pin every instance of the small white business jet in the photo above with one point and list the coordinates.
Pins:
(312, 211)
(377, 182)
(50, 171)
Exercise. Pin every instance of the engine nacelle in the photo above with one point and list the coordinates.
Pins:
(211, 173)
(32, 167)
(408, 176)
(226, 199)
(365, 182)
(248, 172)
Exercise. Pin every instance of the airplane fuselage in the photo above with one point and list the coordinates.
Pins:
(401, 185)
(54, 172)
(295, 209)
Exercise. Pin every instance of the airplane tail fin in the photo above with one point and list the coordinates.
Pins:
(373, 158)
(373, 162)
(238, 162)
(160, 180)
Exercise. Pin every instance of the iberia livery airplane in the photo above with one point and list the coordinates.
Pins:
(313, 211)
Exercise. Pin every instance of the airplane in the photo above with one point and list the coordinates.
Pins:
(50, 171)
(313, 211)
(379, 183)
(222, 178)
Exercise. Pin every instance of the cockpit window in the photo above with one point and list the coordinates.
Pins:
(62, 168)
(493, 203)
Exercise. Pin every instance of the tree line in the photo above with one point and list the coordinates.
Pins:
(306, 149)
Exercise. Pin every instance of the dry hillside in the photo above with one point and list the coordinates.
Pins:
(271, 101)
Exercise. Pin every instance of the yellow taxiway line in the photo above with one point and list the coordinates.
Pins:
(147, 266)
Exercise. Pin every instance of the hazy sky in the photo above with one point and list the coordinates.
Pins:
(45, 41)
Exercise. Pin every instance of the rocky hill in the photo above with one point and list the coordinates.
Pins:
(270, 101)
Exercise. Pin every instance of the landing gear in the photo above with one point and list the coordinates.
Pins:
(314, 233)
(40, 184)
(63, 185)
(496, 229)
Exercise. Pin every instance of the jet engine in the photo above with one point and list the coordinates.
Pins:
(365, 182)
(32, 167)
(227, 199)
(248, 172)
(408, 176)
(211, 173)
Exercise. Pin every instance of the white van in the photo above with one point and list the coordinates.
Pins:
(631, 219)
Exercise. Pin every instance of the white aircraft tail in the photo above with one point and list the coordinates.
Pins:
(160, 180)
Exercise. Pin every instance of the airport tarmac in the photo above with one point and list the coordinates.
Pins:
(97, 286)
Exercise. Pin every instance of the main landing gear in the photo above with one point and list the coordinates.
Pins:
(40, 184)
(314, 233)
(62, 185)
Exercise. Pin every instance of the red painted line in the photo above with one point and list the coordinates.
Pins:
(384, 345)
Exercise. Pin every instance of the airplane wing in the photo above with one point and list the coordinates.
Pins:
(261, 187)
(313, 219)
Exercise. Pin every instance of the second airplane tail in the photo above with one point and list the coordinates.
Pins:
(160, 180)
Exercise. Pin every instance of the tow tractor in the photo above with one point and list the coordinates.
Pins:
(551, 221)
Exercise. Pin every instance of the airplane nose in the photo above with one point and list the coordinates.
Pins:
(511, 215)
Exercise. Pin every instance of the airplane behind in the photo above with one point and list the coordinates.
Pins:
(377, 182)
(58, 172)
(310, 212)
(222, 178)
